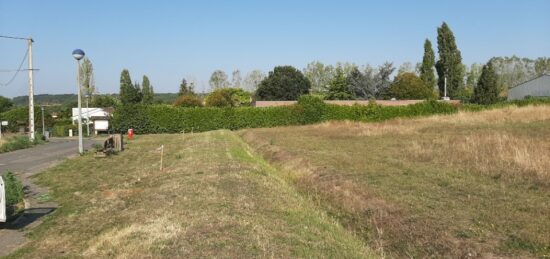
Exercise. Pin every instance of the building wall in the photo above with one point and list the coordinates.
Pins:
(538, 87)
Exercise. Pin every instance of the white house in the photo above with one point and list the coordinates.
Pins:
(98, 117)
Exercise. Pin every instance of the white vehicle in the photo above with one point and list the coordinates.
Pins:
(2, 201)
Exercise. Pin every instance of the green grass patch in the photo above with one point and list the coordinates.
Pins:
(19, 142)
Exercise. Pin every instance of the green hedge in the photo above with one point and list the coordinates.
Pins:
(151, 119)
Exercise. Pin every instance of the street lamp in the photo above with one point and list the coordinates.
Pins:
(78, 54)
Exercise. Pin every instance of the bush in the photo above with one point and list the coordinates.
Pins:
(313, 108)
(14, 189)
(61, 128)
(410, 86)
(154, 119)
(15, 143)
(228, 97)
(188, 101)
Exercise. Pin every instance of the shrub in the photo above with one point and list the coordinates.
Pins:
(188, 101)
(228, 97)
(313, 108)
(410, 86)
(15, 143)
(14, 189)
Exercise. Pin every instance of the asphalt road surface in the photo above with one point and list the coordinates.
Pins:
(32, 160)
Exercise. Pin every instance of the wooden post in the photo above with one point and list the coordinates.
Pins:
(119, 142)
(161, 155)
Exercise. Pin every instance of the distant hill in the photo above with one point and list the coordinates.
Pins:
(45, 99)
(56, 99)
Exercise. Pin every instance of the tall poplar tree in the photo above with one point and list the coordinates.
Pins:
(129, 94)
(449, 64)
(486, 91)
(147, 91)
(427, 67)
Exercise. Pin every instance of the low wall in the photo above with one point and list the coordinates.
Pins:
(348, 102)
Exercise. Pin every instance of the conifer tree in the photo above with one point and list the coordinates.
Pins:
(338, 88)
(486, 91)
(427, 67)
(147, 91)
(449, 64)
(129, 94)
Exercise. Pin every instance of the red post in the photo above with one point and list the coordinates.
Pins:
(130, 134)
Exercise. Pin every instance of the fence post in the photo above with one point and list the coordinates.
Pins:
(2, 201)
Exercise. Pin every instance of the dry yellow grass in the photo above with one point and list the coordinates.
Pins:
(462, 185)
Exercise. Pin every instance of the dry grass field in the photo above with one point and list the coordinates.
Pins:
(213, 199)
(464, 185)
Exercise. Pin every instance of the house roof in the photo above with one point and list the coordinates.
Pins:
(532, 79)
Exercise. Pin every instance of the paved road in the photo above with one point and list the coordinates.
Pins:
(34, 159)
(25, 163)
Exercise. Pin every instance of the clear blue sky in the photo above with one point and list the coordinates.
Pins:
(168, 40)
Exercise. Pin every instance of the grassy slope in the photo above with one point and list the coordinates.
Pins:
(445, 186)
(213, 199)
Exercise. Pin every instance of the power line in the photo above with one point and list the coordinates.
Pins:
(15, 38)
(18, 69)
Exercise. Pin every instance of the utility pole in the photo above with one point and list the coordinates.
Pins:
(43, 127)
(87, 116)
(31, 92)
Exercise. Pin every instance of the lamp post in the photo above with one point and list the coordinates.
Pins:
(78, 54)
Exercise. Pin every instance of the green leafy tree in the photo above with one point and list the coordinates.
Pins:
(5, 104)
(542, 66)
(339, 88)
(319, 75)
(218, 80)
(427, 68)
(129, 93)
(409, 86)
(283, 83)
(105, 101)
(236, 81)
(253, 80)
(487, 90)
(449, 65)
(147, 91)
(406, 67)
(228, 97)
